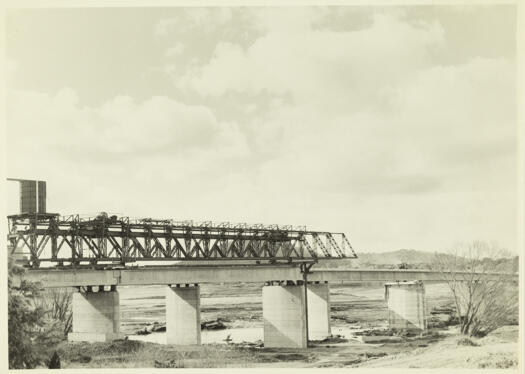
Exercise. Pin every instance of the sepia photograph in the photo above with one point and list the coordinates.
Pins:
(262, 186)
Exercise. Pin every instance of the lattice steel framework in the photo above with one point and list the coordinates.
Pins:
(75, 240)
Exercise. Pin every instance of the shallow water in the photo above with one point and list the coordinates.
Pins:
(141, 306)
(239, 335)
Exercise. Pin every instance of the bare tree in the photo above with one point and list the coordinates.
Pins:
(57, 304)
(61, 307)
(478, 275)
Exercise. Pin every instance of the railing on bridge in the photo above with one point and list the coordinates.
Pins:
(73, 239)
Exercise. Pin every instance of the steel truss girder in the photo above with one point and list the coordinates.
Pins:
(49, 237)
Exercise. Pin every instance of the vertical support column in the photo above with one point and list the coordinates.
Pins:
(406, 306)
(96, 316)
(284, 316)
(183, 315)
(318, 311)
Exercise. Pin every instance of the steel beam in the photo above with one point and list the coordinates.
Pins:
(119, 239)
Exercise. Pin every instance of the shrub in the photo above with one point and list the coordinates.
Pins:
(467, 342)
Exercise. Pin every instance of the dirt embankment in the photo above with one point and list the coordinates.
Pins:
(498, 350)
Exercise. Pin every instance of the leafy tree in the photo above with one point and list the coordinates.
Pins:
(32, 331)
(25, 320)
(484, 294)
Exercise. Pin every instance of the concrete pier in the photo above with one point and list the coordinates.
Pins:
(183, 315)
(96, 316)
(406, 306)
(284, 316)
(318, 298)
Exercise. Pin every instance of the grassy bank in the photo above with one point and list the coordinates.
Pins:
(129, 353)
(136, 354)
(436, 350)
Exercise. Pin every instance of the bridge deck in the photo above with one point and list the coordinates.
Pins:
(225, 274)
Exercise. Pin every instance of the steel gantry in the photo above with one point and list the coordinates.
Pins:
(47, 237)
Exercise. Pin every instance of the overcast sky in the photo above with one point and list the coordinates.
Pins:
(396, 126)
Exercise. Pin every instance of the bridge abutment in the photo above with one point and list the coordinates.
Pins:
(96, 316)
(183, 315)
(406, 306)
(284, 316)
(318, 311)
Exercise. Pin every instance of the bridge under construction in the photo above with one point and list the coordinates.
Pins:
(95, 255)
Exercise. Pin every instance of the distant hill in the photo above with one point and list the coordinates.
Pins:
(402, 258)
(396, 257)
(391, 259)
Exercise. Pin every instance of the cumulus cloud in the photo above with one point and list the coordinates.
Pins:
(54, 137)
(340, 127)
(176, 50)
(373, 121)
(447, 129)
(120, 125)
(371, 101)
(191, 19)
(314, 64)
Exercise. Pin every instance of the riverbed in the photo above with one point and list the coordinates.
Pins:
(353, 308)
